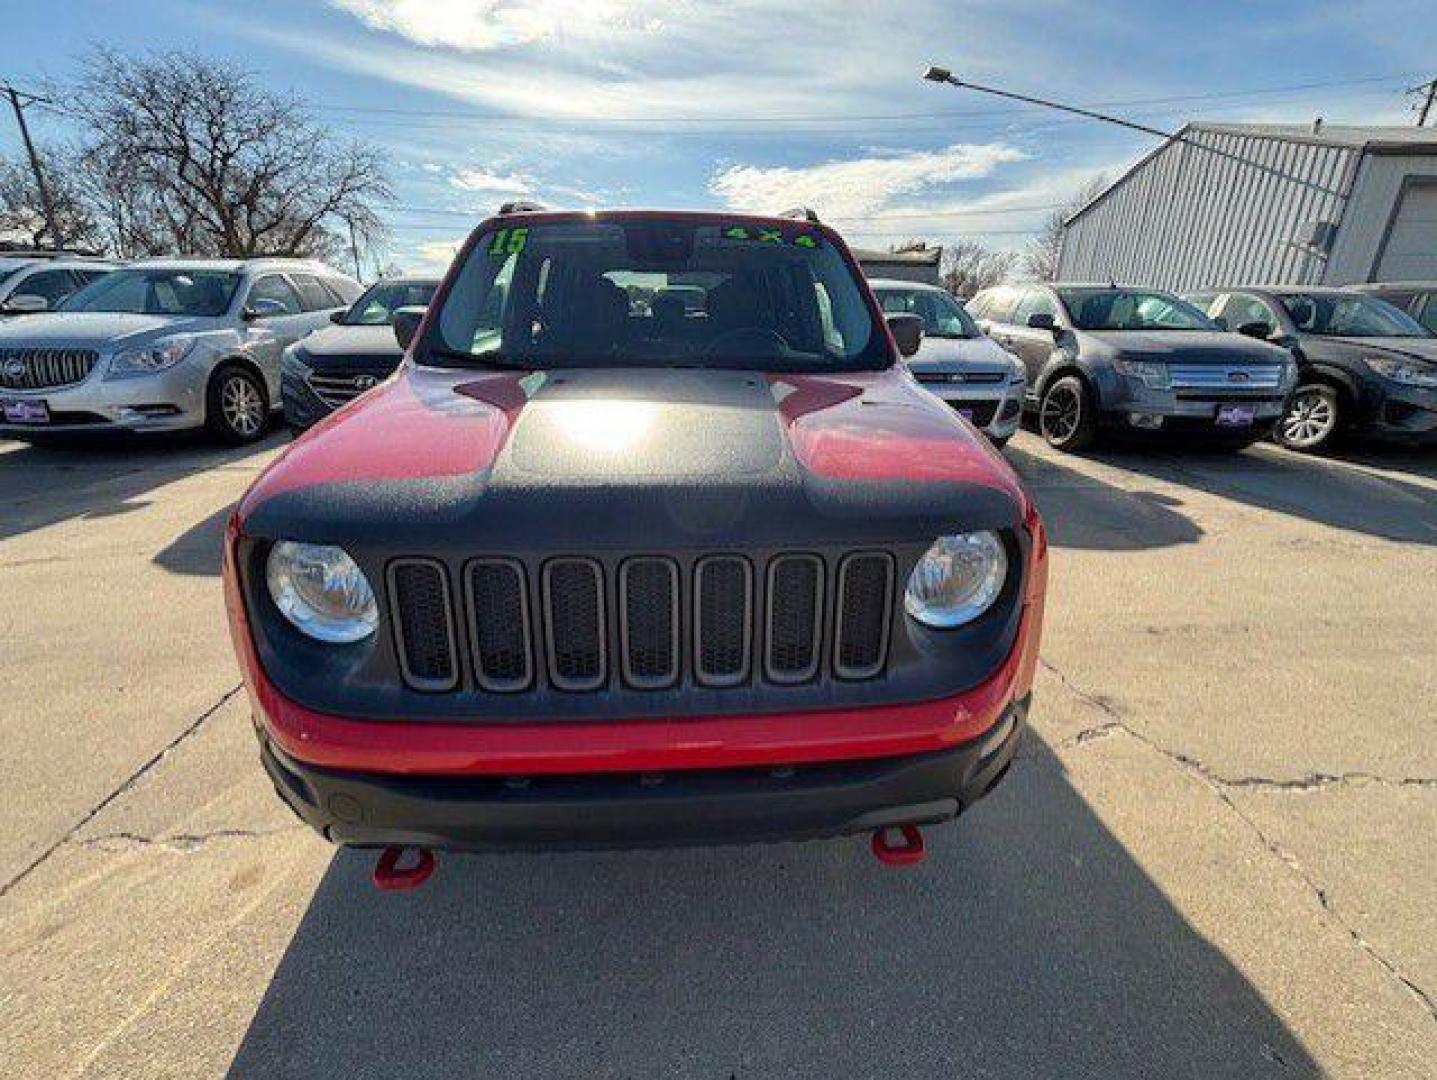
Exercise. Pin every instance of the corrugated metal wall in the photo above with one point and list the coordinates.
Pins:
(1186, 218)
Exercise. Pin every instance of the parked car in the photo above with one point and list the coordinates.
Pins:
(32, 282)
(589, 574)
(1363, 365)
(165, 345)
(1104, 357)
(334, 365)
(1417, 298)
(957, 362)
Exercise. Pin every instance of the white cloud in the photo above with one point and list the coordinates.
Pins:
(858, 186)
(432, 256)
(481, 25)
(490, 183)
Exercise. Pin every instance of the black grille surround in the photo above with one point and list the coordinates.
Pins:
(422, 615)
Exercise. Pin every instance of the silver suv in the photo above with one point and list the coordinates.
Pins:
(165, 345)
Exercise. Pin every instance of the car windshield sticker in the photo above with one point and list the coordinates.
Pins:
(769, 236)
(508, 241)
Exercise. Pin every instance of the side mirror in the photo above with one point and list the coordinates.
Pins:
(907, 331)
(1041, 320)
(1259, 330)
(263, 309)
(1221, 323)
(25, 304)
(406, 325)
(337, 317)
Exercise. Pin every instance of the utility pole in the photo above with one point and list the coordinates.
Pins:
(45, 204)
(353, 248)
(1425, 109)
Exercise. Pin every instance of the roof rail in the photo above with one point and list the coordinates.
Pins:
(801, 213)
(521, 206)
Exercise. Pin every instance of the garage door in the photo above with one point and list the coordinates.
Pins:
(1411, 250)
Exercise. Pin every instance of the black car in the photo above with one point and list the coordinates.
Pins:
(1109, 358)
(1363, 365)
(1417, 298)
(333, 366)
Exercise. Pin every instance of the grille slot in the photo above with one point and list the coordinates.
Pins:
(863, 615)
(45, 369)
(794, 618)
(649, 614)
(337, 390)
(574, 623)
(423, 624)
(723, 620)
(499, 625)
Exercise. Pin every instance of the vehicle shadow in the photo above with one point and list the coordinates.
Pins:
(1330, 491)
(197, 550)
(1082, 511)
(43, 485)
(1028, 944)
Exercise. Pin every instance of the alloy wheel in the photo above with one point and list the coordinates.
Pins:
(1062, 412)
(1311, 418)
(242, 405)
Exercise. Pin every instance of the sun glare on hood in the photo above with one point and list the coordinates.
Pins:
(607, 427)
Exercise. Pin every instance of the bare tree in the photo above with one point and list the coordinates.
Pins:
(1040, 261)
(186, 153)
(23, 220)
(969, 267)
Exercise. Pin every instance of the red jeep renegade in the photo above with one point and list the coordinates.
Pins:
(651, 539)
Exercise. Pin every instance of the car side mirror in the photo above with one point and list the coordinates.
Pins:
(263, 308)
(1041, 320)
(907, 331)
(337, 317)
(1220, 323)
(25, 304)
(406, 325)
(1260, 330)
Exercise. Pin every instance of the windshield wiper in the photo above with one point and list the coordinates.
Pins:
(489, 358)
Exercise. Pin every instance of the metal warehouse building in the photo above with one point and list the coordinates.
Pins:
(1327, 206)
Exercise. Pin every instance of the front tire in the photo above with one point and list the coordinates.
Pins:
(236, 406)
(1312, 419)
(1067, 417)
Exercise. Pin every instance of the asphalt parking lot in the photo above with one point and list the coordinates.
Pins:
(1217, 856)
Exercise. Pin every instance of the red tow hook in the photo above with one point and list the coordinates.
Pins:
(390, 878)
(909, 853)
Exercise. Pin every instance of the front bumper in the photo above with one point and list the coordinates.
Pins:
(652, 809)
(1129, 404)
(1404, 413)
(172, 400)
(994, 408)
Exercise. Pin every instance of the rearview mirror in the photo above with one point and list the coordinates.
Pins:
(907, 331)
(406, 325)
(1260, 330)
(25, 304)
(1042, 320)
(264, 308)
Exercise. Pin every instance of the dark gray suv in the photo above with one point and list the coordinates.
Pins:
(1104, 357)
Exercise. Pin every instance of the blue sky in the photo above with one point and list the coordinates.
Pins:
(760, 105)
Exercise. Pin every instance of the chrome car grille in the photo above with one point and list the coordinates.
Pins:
(947, 378)
(337, 390)
(1225, 376)
(45, 369)
(648, 623)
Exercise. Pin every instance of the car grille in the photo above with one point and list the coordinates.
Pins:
(45, 369)
(1225, 376)
(337, 390)
(960, 378)
(647, 622)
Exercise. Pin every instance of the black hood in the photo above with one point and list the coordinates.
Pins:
(351, 348)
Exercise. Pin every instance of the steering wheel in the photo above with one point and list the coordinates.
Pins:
(748, 339)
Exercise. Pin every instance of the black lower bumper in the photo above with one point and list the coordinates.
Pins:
(649, 810)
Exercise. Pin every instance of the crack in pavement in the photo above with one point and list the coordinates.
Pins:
(124, 786)
(1117, 725)
(180, 842)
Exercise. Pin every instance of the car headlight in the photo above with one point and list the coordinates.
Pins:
(291, 362)
(156, 356)
(1153, 373)
(1019, 374)
(321, 590)
(957, 579)
(1403, 371)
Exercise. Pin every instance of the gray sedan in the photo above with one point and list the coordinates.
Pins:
(165, 345)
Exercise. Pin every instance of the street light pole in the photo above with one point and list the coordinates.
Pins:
(45, 204)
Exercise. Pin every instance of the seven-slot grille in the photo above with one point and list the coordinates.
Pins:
(337, 390)
(1225, 376)
(656, 612)
(45, 369)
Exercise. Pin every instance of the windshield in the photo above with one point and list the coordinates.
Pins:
(1131, 309)
(376, 306)
(1349, 315)
(658, 292)
(158, 292)
(943, 316)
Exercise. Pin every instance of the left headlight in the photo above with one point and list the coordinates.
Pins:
(322, 591)
(156, 356)
(1403, 371)
(292, 361)
(1153, 373)
(957, 579)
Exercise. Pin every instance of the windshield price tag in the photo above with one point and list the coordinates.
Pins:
(508, 242)
(768, 236)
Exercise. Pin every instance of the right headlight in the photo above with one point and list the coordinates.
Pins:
(322, 591)
(291, 362)
(1152, 373)
(1410, 372)
(157, 356)
(957, 579)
